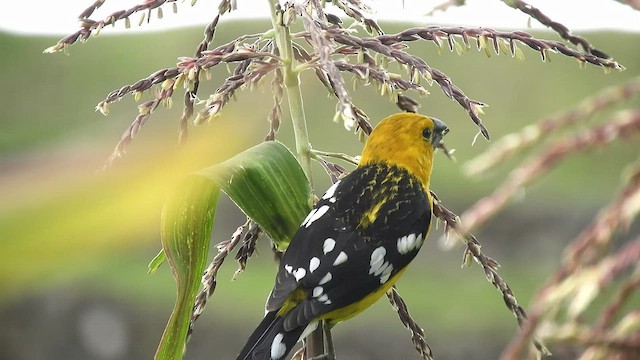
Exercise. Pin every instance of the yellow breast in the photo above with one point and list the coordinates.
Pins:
(354, 309)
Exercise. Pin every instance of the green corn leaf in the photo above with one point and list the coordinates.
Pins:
(267, 184)
(187, 221)
(156, 262)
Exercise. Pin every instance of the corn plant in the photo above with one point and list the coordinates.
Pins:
(338, 40)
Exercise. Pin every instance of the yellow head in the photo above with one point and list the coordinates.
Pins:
(406, 140)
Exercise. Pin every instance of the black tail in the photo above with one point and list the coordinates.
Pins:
(269, 340)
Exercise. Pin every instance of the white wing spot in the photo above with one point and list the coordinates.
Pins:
(328, 245)
(330, 191)
(299, 273)
(323, 298)
(382, 268)
(277, 347)
(288, 268)
(386, 274)
(377, 259)
(411, 242)
(309, 215)
(325, 279)
(332, 200)
(328, 302)
(313, 264)
(317, 291)
(342, 257)
(318, 214)
(402, 245)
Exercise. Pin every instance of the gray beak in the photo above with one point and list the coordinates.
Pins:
(440, 129)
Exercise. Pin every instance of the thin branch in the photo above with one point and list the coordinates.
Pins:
(275, 115)
(138, 87)
(191, 95)
(621, 210)
(209, 278)
(363, 125)
(602, 341)
(417, 333)
(144, 113)
(501, 41)
(628, 288)
(597, 236)
(393, 81)
(407, 104)
(187, 67)
(348, 158)
(490, 266)
(89, 10)
(506, 147)
(577, 291)
(624, 126)
(617, 265)
(92, 27)
(562, 30)
(221, 96)
(248, 247)
(419, 68)
(334, 170)
(323, 48)
(355, 10)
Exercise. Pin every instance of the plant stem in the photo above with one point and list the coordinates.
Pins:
(315, 341)
(341, 156)
(292, 87)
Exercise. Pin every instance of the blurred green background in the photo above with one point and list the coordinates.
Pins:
(75, 241)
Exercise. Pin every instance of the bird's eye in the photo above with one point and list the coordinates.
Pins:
(426, 133)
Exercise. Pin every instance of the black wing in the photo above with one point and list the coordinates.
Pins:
(336, 258)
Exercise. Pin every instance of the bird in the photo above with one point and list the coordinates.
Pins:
(357, 240)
